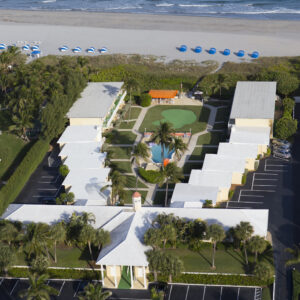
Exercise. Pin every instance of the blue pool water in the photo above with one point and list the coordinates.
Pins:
(156, 152)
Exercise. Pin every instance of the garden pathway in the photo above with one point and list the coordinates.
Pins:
(193, 141)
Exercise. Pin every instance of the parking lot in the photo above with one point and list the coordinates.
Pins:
(191, 292)
(45, 182)
(260, 186)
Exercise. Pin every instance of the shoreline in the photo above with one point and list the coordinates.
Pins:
(150, 34)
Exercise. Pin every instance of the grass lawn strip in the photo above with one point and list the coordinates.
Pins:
(121, 137)
(131, 180)
(211, 138)
(226, 260)
(189, 166)
(135, 112)
(12, 151)
(182, 118)
(128, 196)
(120, 152)
(127, 125)
(121, 166)
(199, 153)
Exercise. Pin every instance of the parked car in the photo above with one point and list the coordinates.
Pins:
(281, 142)
(281, 147)
(281, 152)
(48, 200)
(282, 155)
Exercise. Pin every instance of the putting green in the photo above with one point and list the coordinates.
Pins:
(177, 117)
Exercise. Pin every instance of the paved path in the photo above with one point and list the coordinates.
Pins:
(193, 141)
(119, 145)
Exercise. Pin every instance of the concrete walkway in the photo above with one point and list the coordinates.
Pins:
(193, 141)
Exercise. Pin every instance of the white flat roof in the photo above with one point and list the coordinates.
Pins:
(86, 185)
(211, 178)
(254, 100)
(96, 100)
(185, 192)
(216, 162)
(85, 161)
(238, 150)
(80, 149)
(81, 134)
(128, 228)
(250, 135)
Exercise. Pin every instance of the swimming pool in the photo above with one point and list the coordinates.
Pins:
(156, 152)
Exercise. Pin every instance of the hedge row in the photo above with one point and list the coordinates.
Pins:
(59, 273)
(213, 279)
(17, 181)
(150, 176)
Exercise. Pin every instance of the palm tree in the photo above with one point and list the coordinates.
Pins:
(170, 174)
(118, 182)
(217, 234)
(243, 232)
(295, 251)
(38, 288)
(87, 218)
(178, 146)
(58, 235)
(257, 244)
(88, 236)
(7, 258)
(9, 233)
(141, 151)
(168, 233)
(155, 260)
(163, 135)
(221, 82)
(130, 84)
(94, 292)
(37, 238)
(152, 238)
(172, 266)
(263, 271)
(102, 238)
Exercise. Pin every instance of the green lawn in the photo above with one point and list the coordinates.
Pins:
(135, 112)
(131, 181)
(121, 166)
(199, 152)
(125, 281)
(127, 125)
(227, 260)
(128, 196)
(120, 137)
(223, 114)
(120, 152)
(211, 138)
(182, 118)
(12, 151)
(189, 166)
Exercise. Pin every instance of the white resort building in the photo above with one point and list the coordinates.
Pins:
(250, 127)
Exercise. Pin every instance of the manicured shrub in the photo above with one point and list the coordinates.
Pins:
(215, 279)
(16, 182)
(64, 170)
(244, 178)
(145, 100)
(288, 105)
(207, 204)
(285, 128)
(65, 198)
(150, 176)
(266, 293)
(263, 271)
(59, 273)
(230, 194)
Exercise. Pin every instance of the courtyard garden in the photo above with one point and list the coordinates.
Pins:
(181, 117)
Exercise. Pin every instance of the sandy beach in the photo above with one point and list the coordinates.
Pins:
(158, 35)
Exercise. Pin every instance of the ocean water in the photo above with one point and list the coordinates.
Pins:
(257, 9)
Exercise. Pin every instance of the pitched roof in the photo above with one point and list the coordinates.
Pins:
(163, 94)
(250, 135)
(96, 100)
(238, 150)
(254, 100)
(211, 178)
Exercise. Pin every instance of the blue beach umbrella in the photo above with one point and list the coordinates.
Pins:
(76, 50)
(35, 52)
(255, 54)
(212, 51)
(241, 53)
(2, 46)
(35, 47)
(63, 48)
(183, 48)
(226, 52)
(103, 50)
(198, 49)
(90, 50)
(26, 48)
